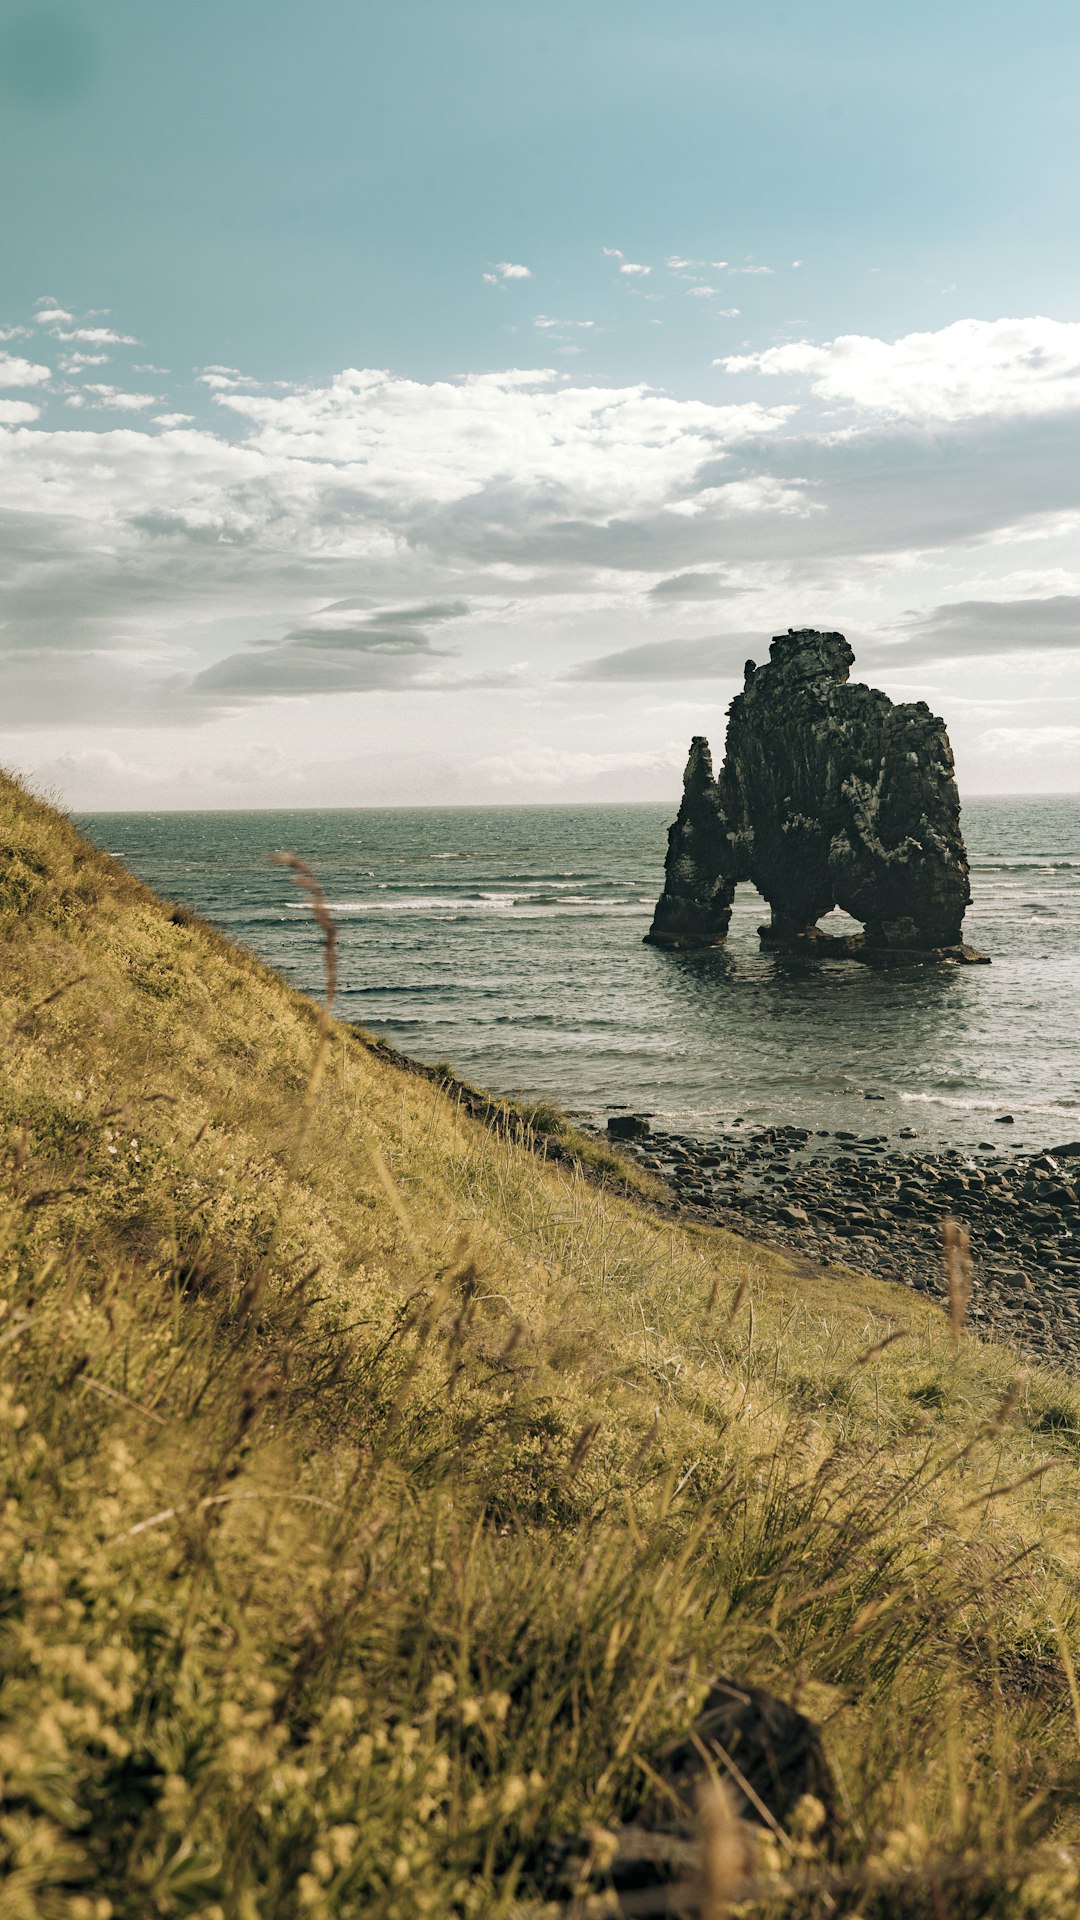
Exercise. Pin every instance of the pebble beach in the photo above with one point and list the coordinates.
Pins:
(876, 1203)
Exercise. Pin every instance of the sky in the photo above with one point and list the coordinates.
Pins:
(428, 404)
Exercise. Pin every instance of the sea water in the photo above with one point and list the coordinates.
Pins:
(507, 941)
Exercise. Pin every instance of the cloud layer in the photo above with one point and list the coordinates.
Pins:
(342, 651)
(536, 544)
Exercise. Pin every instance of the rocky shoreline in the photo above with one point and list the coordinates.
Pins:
(876, 1205)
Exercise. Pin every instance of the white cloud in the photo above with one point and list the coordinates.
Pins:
(605, 450)
(555, 767)
(113, 397)
(768, 270)
(614, 253)
(701, 293)
(95, 336)
(74, 362)
(14, 333)
(513, 270)
(677, 264)
(727, 313)
(17, 413)
(173, 419)
(1025, 741)
(634, 267)
(758, 495)
(226, 380)
(51, 315)
(99, 763)
(970, 370)
(15, 372)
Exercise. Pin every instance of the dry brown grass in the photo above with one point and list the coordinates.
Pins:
(380, 1497)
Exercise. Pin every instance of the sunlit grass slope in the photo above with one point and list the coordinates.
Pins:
(379, 1497)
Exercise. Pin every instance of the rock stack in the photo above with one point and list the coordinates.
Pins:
(829, 796)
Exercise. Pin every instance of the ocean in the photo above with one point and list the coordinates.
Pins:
(507, 941)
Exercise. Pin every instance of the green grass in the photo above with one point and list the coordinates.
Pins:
(539, 1125)
(381, 1491)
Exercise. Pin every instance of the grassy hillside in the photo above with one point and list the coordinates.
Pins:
(378, 1497)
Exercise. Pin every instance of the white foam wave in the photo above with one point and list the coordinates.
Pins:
(1063, 1110)
(516, 905)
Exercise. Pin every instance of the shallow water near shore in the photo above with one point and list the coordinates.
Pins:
(508, 942)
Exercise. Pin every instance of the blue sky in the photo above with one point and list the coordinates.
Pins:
(310, 187)
(781, 242)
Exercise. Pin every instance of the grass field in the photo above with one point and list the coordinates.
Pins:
(378, 1496)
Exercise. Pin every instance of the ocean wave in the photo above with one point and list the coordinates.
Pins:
(1063, 1109)
(1026, 863)
(459, 904)
(415, 990)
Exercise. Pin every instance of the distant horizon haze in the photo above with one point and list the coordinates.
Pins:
(482, 806)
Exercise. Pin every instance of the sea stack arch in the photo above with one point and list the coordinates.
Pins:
(830, 795)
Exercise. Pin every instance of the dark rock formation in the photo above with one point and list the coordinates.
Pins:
(770, 1754)
(829, 796)
(770, 1757)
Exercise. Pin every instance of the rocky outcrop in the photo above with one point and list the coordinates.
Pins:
(829, 796)
(694, 909)
(772, 1762)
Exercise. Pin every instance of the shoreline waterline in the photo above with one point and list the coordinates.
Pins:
(854, 1202)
